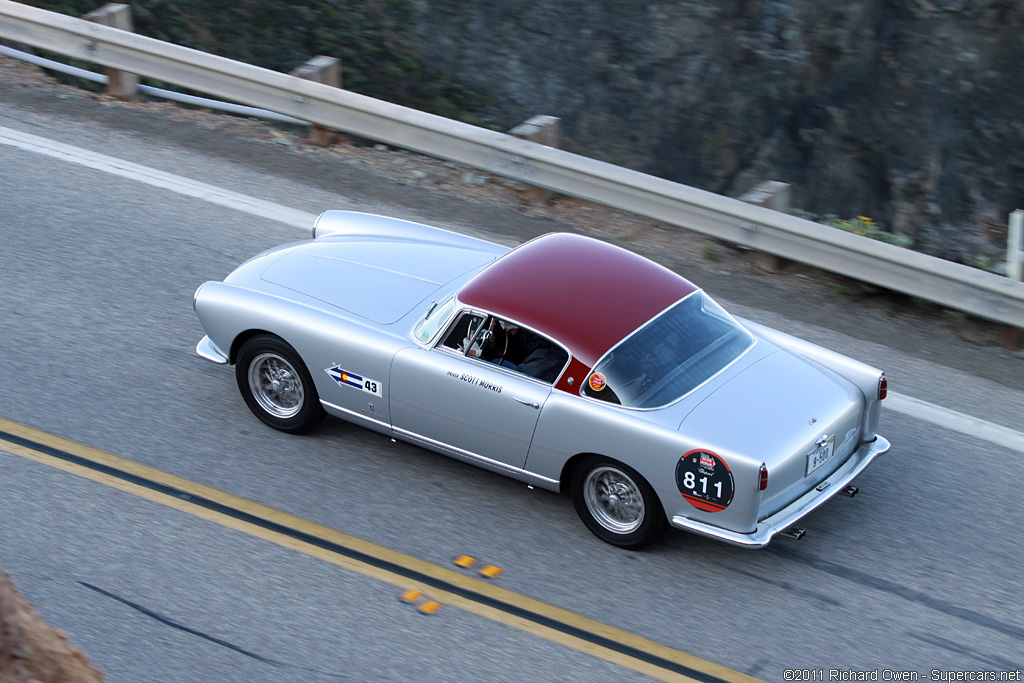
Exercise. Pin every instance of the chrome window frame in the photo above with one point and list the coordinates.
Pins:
(437, 345)
(429, 342)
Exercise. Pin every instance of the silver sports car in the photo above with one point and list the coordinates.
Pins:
(566, 363)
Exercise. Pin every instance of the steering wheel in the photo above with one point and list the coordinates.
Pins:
(489, 334)
(499, 339)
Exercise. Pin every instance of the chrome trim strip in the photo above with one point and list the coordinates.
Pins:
(541, 477)
(472, 455)
(460, 451)
(405, 433)
(795, 511)
(208, 350)
(355, 414)
(367, 265)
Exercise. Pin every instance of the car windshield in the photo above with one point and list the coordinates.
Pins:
(670, 356)
(435, 316)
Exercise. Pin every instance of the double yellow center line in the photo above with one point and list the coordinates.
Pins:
(369, 559)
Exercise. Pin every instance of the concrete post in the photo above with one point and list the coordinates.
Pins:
(1014, 245)
(544, 130)
(326, 70)
(1010, 336)
(122, 84)
(773, 195)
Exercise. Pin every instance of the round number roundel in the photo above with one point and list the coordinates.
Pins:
(705, 480)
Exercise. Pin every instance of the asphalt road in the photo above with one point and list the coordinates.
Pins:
(920, 571)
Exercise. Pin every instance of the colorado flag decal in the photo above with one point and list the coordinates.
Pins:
(351, 379)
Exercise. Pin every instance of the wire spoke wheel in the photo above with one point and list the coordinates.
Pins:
(614, 500)
(276, 385)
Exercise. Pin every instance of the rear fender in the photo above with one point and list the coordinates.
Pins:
(861, 375)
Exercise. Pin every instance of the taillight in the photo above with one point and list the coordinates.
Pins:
(763, 484)
(883, 387)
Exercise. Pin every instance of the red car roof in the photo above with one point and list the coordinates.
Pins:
(584, 293)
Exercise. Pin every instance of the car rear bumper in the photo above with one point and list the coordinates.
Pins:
(792, 513)
(208, 350)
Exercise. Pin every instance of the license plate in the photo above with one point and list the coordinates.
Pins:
(821, 455)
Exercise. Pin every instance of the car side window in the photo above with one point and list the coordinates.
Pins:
(507, 345)
(461, 335)
(534, 355)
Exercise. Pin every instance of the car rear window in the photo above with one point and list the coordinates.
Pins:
(670, 356)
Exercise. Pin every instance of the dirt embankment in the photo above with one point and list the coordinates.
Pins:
(33, 652)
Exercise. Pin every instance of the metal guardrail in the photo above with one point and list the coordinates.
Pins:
(239, 109)
(950, 284)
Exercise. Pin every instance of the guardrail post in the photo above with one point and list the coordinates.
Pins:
(1009, 335)
(121, 84)
(544, 130)
(774, 195)
(326, 70)
(1015, 245)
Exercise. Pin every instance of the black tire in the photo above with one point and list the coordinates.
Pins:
(276, 385)
(616, 503)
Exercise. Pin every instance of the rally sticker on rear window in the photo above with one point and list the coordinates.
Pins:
(351, 379)
(705, 480)
(597, 381)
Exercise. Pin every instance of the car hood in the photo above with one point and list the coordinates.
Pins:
(377, 280)
(775, 410)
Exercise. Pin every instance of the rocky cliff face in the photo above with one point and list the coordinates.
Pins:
(33, 652)
(908, 111)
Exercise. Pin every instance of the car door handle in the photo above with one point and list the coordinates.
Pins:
(532, 404)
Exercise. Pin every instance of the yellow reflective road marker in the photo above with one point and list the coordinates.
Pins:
(488, 571)
(467, 593)
(428, 607)
(464, 561)
(420, 601)
(491, 572)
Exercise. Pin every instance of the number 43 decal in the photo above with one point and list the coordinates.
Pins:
(351, 379)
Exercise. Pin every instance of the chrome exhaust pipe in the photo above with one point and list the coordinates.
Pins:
(850, 491)
(793, 533)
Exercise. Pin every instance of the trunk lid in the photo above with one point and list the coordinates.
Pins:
(776, 411)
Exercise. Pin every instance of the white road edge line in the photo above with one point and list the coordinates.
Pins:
(161, 179)
(922, 410)
(957, 422)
